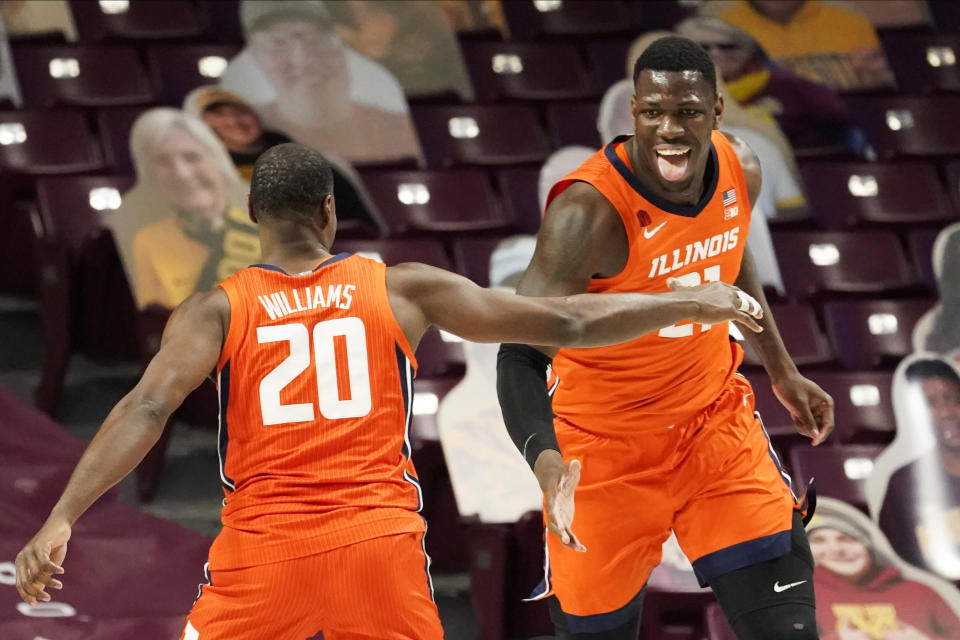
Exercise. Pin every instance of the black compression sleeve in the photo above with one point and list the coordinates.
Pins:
(524, 401)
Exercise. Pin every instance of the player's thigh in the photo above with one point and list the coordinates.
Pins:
(381, 589)
(742, 511)
(774, 599)
(267, 601)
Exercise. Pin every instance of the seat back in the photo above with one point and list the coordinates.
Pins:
(871, 333)
(527, 71)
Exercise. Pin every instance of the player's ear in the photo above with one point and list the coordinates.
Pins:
(633, 106)
(718, 107)
(329, 209)
(250, 213)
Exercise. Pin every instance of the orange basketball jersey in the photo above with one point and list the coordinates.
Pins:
(315, 383)
(663, 377)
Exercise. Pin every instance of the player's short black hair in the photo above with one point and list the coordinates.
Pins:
(290, 181)
(673, 53)
(931, 368)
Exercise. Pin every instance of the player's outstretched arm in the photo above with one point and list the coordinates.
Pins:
(454, 303)
(189, 350)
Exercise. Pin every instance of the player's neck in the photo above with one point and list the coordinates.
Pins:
(688, 195)
(294, 249)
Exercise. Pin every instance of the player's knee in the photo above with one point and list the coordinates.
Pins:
(792, 621)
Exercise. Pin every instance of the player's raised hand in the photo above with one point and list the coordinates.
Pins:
(40, 560)
(719, 302)
(559, 480)
(810, 407)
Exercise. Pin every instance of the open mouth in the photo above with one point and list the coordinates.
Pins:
(672, 162)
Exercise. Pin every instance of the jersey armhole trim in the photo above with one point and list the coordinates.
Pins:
(394, 324)
(238, 323)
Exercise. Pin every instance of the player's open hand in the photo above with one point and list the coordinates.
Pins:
(719, 302)
(559, 480)
(810, 407)
(40, 560)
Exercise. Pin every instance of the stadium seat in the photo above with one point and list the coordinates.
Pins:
(953, 182)
(847, 194)
(528, 19)
(471, 255)
(178, 69)
(480, 134)
(909, 125)
(574, 123)
(47, 142)
(80, 275)
(451, 201)
(221, 21)
(805, 342)
(527, 71)
(440, 355)
(35, 143)
(814, 262)
(115, 126)
(84, 76)
(863, 408)
(924, 63)
(518, 191)
(607, 59)
(921, 242)
(871, 333)
(138, 20)
(840, 472)
(396, 251)
(717, 626)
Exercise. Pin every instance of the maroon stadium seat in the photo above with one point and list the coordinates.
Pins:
(924, 63)
(846, 194)
(35, 143)
(527, 19)
(868, 333)
(527, 71)
(802, 336)
(518, 191)
(178, 69)
(450, 201)
(396, 251)
(607, 58)
(85, 76)
(863, 261)
(48, 142)
(571, 123)
(862, 404)
(921, 242)
(80, 276)
(480, 134)
(471, 255)
(840, 472)
(140, 20)
(115, 126)
(953, 182)
(717, 626)
(909, 126)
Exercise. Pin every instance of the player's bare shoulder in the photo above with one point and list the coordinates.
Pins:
(582, 233)
(206, 311)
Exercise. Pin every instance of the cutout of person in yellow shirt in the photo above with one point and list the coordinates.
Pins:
(183, 227)
(828, 44)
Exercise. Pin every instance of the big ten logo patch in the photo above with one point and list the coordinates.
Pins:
(643, 218)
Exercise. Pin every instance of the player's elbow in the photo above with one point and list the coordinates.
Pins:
(572, 326)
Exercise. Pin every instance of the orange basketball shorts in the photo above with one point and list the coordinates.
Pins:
(714, 480)
(378, 588)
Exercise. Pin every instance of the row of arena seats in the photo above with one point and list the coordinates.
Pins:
(62, 140)
(115, 74)
(217, 20)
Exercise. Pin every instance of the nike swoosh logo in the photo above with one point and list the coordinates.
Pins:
(649, 233)
(777, 587)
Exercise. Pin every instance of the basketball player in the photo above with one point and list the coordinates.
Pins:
(314, 361)
(660, 432)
